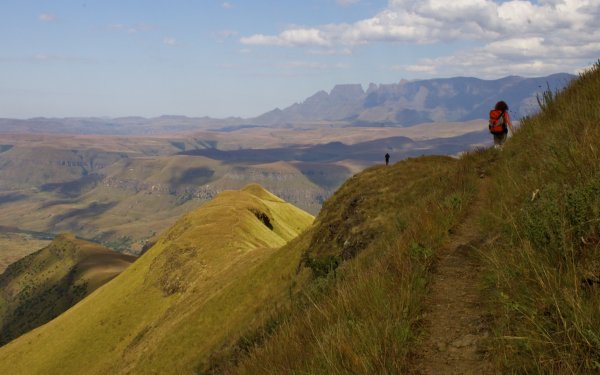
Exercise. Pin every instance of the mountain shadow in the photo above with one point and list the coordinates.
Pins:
(41, 286)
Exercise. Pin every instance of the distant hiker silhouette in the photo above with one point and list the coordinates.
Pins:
(387, 159)
(500, 123)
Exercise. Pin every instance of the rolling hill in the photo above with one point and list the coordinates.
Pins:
(246, 284)
(122, 191)
(42, 285)
(208, 278)
(15, 245)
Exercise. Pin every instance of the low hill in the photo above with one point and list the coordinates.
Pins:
(121, 196)
(205, 281)
(41, 286)
(15, 245)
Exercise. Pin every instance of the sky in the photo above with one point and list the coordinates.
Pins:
(112, 58)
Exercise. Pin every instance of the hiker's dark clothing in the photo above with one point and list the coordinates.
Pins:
(499, 139)
(387, 159)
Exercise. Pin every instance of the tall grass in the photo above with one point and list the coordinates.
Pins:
(383, 228)
(364, 318)
(544, 212)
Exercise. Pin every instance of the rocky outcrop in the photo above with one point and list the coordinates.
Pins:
(412, 102)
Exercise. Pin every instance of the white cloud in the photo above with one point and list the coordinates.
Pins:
(47, 17)
(330, 51)
(428, 69)
(170, 41)
(227, 5)
(291, 37)
(513, 36)
(485, 62)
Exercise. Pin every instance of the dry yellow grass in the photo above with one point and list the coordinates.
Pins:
(203, 283)
(44, 284)
(14, 246)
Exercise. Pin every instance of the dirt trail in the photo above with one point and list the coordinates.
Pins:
(455, 323)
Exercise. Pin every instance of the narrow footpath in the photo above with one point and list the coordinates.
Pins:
(454, 320)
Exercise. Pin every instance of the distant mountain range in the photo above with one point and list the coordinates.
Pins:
(414, 102)
(405, 103)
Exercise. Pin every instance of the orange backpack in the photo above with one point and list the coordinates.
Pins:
(497, 124)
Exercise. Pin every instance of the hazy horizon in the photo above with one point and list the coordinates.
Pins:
(234, 59)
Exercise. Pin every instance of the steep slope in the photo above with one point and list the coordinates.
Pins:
(204, 282)
(544, 225)
(357, 299)
(41, 286)
(358, 306)
(523, 267)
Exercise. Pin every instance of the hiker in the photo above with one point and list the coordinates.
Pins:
(387, 158)
(500, 123)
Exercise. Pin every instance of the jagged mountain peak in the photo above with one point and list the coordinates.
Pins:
(407, 103)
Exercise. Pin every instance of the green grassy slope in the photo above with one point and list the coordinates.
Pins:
(544, 219)
(226, 290)
(380, 229)
(41, 286)
(203, 283)
(541, 250)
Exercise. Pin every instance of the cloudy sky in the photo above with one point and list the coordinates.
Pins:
(242, 58)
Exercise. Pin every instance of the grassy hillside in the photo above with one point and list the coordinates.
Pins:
(147, 195)
(120, 191)
(367, 255)
(231, 289)
(128, 201)
(544, 220)
(205, 281)
(41, 286)
(539, 228)
(14, 246)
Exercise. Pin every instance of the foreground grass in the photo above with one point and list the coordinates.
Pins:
(383, 226)
(346, 295)
(544, 219)
(371, 249)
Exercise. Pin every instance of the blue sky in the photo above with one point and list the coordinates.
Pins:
(112, 58)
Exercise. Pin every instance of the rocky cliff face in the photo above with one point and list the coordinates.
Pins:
(48, 167)
(412, 102)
